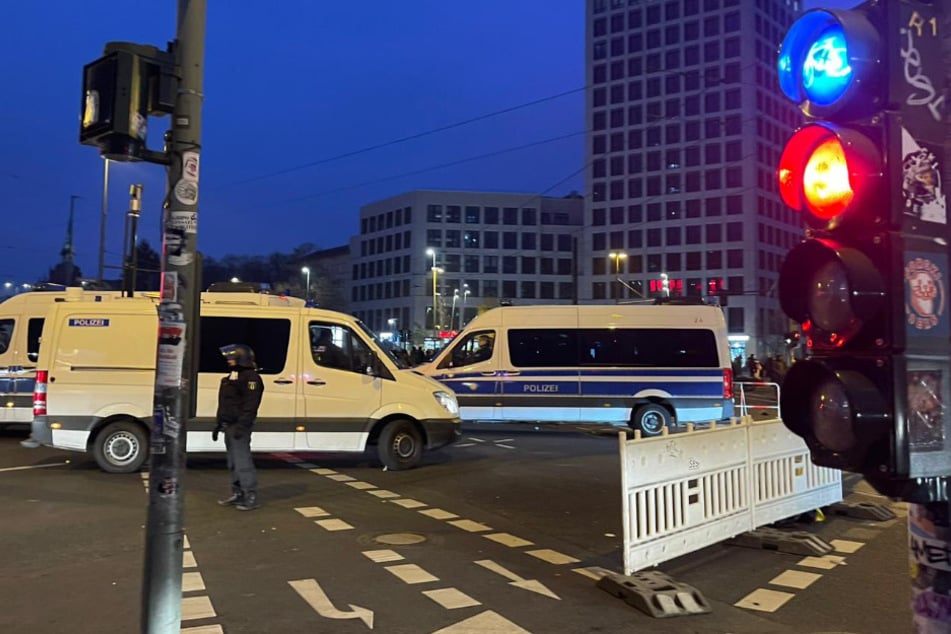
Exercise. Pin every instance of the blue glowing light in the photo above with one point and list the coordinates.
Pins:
(826, 72)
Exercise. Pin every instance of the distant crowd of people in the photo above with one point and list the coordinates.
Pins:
(773, 369)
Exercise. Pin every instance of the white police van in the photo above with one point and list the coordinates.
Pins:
(643, 366)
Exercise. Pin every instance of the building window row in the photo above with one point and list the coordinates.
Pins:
(453, 214)
(386, 220)
(691, 182)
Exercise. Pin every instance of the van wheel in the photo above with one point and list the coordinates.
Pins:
(121, 447)
(400, 445)
(651, 419)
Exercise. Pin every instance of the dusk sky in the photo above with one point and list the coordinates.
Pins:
(289, 83)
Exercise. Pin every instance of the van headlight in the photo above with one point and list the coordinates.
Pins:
(448, 401)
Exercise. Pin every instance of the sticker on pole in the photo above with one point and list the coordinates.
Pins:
(190, 163)
(186, 192)
(182, 221)
(171, 353)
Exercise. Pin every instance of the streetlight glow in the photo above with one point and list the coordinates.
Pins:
(306, 271)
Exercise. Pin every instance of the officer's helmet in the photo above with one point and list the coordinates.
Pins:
(242, 354)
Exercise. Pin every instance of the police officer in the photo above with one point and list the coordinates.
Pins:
(238, 399)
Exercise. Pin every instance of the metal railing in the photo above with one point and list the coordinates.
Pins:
(758, 391)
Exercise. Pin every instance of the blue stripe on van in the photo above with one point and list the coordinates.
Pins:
(712, 389)
(589, 372)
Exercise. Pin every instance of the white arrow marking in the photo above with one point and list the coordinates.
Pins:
(310, 591)
(488, 622)
(525, 584)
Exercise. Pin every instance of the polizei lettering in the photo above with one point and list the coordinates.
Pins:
(540, 387)
(88, 322)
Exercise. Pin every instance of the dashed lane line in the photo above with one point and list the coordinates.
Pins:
(506, 539)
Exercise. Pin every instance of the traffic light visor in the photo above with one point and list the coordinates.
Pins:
(827, 170)
(825, 58)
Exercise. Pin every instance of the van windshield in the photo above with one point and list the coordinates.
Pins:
(396, 354)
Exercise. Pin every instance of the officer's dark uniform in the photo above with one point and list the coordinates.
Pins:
(238, 399)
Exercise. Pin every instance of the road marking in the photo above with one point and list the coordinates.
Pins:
(311, 592)
(465, 444)
(552, 556)
(312, 511)
(592, 572)
(532, 585)
(763, 600)
(361, 485)
(489, 622)
(795, 579)
(499, 444)
(470, 526)
(509, 540)
(333, 525)
(408, 503)
(451, 599)
(383, 493)
(36, 466)
(203, 629)
(439, 514)
(197, 608)
(846, 546)
(826, 562)
(342, 478)
(323, 472)
(188, 560)
(192, 582)
(411, 574)
(382, 556)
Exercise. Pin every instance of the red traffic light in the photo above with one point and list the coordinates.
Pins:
(827, 171)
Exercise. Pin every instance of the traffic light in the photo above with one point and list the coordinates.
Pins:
(867, 284)
(120, 90)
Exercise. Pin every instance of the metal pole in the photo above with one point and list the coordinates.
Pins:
(135, 210)
(100, 276)
(435, 325)
(175, 388)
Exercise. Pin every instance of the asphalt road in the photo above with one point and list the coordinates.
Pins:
(498, 533)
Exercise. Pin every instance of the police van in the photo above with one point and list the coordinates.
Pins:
(96, 379)
(644, 366)
(21, 322)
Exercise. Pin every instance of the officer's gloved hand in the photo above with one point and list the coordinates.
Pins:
(214, 434)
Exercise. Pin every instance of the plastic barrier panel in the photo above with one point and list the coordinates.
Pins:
(785, 482)
(686, 491)
(683, 492)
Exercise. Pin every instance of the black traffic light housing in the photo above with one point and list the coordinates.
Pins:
(868, 285)
(121, 90)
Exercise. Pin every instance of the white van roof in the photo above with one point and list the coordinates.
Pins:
(601, 316)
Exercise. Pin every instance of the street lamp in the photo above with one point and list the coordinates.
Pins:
(235, 280)
(462, 313)
(452, 311)
(306, 271)
(617, 257)
(435, 270)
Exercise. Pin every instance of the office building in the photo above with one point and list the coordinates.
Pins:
(426, 262)
(686, 127)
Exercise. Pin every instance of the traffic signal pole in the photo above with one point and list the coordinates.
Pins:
(177, 337)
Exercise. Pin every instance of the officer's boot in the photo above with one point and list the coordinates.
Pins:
(249, 503)
(237, 497)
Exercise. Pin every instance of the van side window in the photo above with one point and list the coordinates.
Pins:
(6, 334)
(269, 338)
(34, 330)
(338, 347)
(473, 348)
(530, 348)
(649, 347)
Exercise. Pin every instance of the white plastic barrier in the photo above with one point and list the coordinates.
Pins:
(686, 491)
